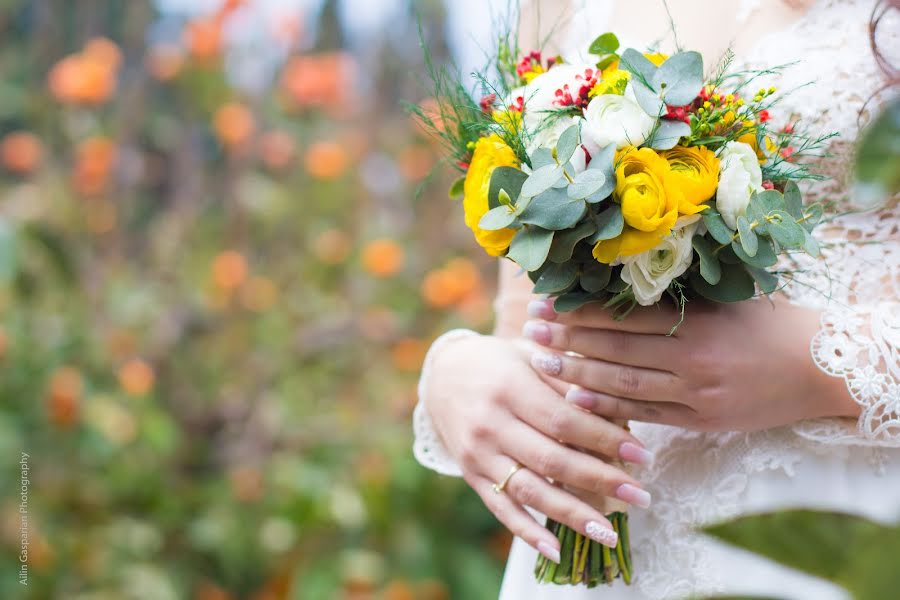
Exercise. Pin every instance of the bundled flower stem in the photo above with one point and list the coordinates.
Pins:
(584, 561)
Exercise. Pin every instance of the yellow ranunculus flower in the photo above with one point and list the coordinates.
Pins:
(490, 152)
(750, 139)
(696, 172)
(650, 197)
(657, 58)
(612, 81)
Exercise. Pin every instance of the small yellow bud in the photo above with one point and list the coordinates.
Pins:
(706, 104)
(729, 98)
(701, 110)
(772, 90)
(740, 102)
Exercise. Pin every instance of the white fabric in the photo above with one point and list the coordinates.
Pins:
(830, 463)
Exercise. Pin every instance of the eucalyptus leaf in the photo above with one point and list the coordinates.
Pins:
(667, 134)
(605, 163)
(605, 44)
(541, 157)
(717, 227)
(793, 200)
(529, 248)
(710, 268)
(505, 178)
(457, 189)
(649, 100)
(607, 61)
(553, 209)
(735, 285)
(572, 301)
(638, 65)
(610, 224)
(810, 245)
(568, 142)
(564, 242)
(785, 230)
(680, 78)
(556, 278)
(595, 277)
(497, 218)
(587, 183)
(762, 204)
(767, 282)
(812, 217)
(616, 284)
(726, 255)
(748, 240)
(765, 254)
(541, 180)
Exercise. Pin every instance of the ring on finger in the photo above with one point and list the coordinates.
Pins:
(499, 487)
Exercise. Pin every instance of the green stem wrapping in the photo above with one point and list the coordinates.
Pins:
(584, 561)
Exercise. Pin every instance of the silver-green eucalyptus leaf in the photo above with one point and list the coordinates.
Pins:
(680, 78)
(497, 218)
(749, 241)
(530, 246)
(587, 183)
(568, 142)
(667, 134)
(541, 180)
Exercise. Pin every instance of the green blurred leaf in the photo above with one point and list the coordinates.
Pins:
(607, 43)
(878, 155)
(7, 252)
(595, 277)
(457, 189)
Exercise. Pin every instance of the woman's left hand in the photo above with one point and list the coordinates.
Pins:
(728, 367)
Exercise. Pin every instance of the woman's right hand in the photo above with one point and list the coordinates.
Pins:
(492, 410)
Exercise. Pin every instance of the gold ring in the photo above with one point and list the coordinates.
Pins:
(498, 487)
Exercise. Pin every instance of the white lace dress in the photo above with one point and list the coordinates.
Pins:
(699, 478)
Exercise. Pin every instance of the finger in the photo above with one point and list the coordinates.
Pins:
(526, 349)
(564, 421)
(651, 351)
(529, 489)
(515, 518)
(659, 319)
(549, 458)
(614, 407)
(617, 380)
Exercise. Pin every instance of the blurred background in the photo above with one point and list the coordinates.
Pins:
(222, 257)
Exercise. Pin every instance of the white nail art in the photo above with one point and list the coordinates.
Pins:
(599, 533)
(550, 364)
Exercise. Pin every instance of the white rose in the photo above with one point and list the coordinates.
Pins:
(739, 177)
(614, 119)
(650, 273)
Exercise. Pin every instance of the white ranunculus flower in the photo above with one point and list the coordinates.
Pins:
(650, 273)
(614, 119)
(739, 177)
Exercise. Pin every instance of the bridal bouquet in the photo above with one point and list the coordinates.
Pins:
(630, 180)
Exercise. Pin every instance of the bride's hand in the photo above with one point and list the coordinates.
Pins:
(728, 367)
(492, 411)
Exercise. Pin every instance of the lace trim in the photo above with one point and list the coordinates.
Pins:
(428, 448)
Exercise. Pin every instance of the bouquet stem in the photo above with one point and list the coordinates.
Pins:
(584, 561)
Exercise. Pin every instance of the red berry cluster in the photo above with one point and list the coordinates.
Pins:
(530, 61)
(565, 98)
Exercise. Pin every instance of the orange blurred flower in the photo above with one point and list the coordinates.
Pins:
(383, 257)
(94, 161)
(100, 216)
(332, 246)
(136, 377)
(88, 77)
(164, 62)
(259, 294)
(326, 160)
(203, 39)
(21, 152)
(233, 124)
(452, 285)
(399, 589)
(433, 589)
(415, 162)
(431, 108)
(277, 150)
(408, 354)
(246, 484)
(64, 396)
(320, 81)
(229, 269)
(210, 591)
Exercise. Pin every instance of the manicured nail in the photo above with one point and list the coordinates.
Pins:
(631, 452)
(550, 364)
(582, 398)
(537, 331)
(541, 309)
(601, 533)
(548, 551)
(633, 495)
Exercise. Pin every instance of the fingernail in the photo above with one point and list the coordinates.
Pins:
(582, 398)
(548, 551)
(633, 495)
(601, 533)
(550, 364)
(537, 331)
(541, 309)
(631, 452)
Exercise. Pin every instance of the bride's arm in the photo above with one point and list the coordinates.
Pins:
(483, 408)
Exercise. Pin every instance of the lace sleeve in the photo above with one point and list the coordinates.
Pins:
(428, 448)
(859, 339)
